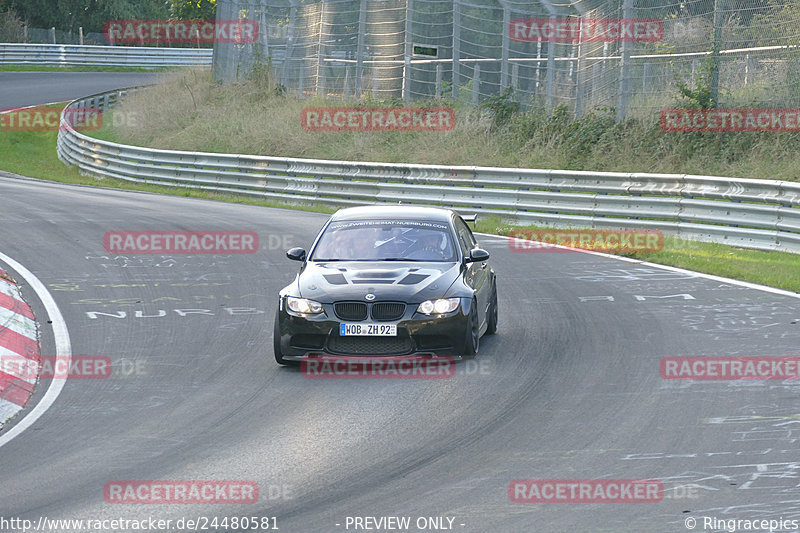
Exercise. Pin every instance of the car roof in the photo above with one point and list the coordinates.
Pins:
(381, 212)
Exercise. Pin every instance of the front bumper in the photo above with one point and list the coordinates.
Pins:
(417, 334)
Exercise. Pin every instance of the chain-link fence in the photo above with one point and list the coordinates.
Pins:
(727, 52)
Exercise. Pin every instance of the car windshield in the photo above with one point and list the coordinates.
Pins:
(385, 240)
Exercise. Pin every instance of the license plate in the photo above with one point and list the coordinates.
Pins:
(368, 330)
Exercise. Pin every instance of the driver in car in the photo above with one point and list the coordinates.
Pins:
(428, 247)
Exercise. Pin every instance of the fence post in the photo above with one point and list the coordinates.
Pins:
(301, 82)
(476, 84)
(578, 73)
(624, 69)
(53, 34)
(290, 37)
(746, 68)
(320, 85)
(80, 34)
(515, 77)
(347, 83)
(362, 30)
(456, 46)
(551, 69)
(716, 45)
(645, 75)
(505, 45)
(407, 59)
(438, 80)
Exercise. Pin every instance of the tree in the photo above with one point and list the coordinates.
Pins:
(194, 9)
(92, 15)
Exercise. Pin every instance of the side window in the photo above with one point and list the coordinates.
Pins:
(472, 242)
(465, 238)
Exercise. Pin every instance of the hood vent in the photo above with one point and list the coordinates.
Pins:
(412, 279)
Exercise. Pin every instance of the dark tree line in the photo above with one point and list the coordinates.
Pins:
(91, 15)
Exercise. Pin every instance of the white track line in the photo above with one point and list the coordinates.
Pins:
(32, 106)
(63, 349)
(747, 284)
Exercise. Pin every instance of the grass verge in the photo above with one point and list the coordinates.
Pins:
(33, 154)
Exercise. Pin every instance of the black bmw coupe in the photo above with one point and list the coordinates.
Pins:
(388, 281)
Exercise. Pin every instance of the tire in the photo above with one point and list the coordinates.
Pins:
(472, 341)
(491, 317)
(276, 345)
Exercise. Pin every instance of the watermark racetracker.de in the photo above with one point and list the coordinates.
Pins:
(181, 492)
(572, 30)
(47, 118)
(732, 120)
(377, 119)
(133, 31)
(366, 367)
(180, 242)
(756, 368)
(585, 491)
(567, 240)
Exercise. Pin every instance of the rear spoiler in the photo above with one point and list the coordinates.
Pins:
(470, 218)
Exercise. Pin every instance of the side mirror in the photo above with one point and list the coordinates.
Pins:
(478, 254)
(296, 254)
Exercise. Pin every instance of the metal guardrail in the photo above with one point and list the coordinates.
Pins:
(114, 56)
(763, 214)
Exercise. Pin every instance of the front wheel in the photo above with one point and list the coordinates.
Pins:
(276, 344)
(473, 333)
(491, 316)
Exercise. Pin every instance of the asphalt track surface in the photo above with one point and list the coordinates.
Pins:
(21, 89)
(569, 388)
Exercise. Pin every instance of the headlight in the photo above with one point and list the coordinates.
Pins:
(439, 307)
(303, 306)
